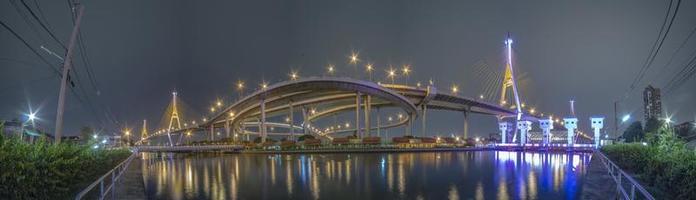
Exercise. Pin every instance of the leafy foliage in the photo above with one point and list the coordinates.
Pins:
(666, 164)
(305, 137)
(634, 132)
(44, 170)
(651, 126)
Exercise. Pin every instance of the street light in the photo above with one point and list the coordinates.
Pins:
(625, 118)
(455, 89)
(354, 58)
(369, 69)
(391, 73)
(294, 75)
(406, 69)
(330, 69)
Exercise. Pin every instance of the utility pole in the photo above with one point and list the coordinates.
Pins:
(66, 71)
(616, 119)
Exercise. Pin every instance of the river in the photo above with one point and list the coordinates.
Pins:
(424, 175)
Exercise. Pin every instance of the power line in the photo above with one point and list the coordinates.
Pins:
(657, 45)
(42, 24)
(671, 58)
(54, 69)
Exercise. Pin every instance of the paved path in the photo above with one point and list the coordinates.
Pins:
(131, 186)
(598, 184)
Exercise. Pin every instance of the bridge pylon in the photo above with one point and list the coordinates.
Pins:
(143, 132)
(174, 118)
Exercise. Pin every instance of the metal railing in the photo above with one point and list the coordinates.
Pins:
(624, 181)
(110, 177)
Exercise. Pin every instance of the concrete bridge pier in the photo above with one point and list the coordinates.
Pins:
(212, 132)
(546, 126)
(378, 123)
(571, 124)
(227, 128)
(367, 104)
(305, 121)
(291, 121)
(262, 125)
(466, 124)
(597, 125)
(358, 133)
(504, 127)
(423, 114)
(524, 126)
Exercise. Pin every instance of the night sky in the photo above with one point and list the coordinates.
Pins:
(139, 51)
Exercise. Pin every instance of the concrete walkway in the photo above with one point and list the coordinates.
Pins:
(131, 185)
(598, 184)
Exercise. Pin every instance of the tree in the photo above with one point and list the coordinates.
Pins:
(304, 137)
(652, 125)
(86, 133)
(634, 132)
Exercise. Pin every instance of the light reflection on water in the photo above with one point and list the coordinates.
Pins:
(436, 175)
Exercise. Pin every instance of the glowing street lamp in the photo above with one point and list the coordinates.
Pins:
(625, 118)
(264, 85)
(369, 70)
(294, 75)
(454, 89)
(391, 73)
(354, 58)
(331, 69)
(218, 103)
(480, 96)
(212, 109)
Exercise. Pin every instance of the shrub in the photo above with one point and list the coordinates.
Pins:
(43, 170)
(666, 165)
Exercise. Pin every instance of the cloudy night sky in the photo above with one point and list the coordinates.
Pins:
(139, 51)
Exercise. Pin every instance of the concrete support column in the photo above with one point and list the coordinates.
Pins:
(357, 115)
(504, 127)
(524, 127)
(466, 124)
(291, 121)
(212, 132)
(597, 125)
(227, 128)
(423, 114)
(379, 124)
(262, 105)
(546, 126)
(305, 120)
(571, 124)
(368, 109)
(409, 124)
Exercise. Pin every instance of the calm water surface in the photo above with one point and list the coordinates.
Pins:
(442, 175)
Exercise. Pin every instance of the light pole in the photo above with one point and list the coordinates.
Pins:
(30, 117)
(127, 137)
(406, 70)
(391, 73)
(240, 89)
(369, 70)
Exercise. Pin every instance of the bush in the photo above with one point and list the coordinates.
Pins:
(666, 165)
(43, 170)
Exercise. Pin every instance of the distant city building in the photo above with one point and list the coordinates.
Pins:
(686, 130)
(652, 103)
